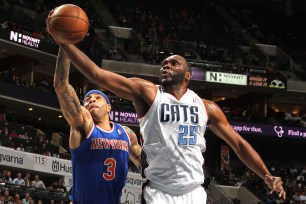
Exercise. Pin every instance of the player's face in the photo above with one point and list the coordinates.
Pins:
(96, 104)
(173, 70)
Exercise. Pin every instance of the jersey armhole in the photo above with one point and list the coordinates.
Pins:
(205, 110)
(90, 131)
(157, 90)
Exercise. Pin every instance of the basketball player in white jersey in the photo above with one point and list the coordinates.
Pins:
(172, 122)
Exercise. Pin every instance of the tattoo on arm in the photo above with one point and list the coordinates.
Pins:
(136, 148)
(62, 68)
(69, 102)
(64, 73)
(68, 99)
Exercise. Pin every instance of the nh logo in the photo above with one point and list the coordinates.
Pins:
(16, 36)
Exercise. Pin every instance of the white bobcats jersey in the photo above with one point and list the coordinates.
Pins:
(173, 132)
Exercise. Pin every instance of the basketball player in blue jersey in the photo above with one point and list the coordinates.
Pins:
(100, 148)
(172, 121)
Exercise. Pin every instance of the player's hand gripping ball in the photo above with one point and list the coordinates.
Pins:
(68, 24)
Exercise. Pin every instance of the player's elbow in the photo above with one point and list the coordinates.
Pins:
(57, 84)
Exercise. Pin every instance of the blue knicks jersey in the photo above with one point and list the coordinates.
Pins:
(100, 166)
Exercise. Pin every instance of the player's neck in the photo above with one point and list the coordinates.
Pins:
(176, 90)
(105, 125)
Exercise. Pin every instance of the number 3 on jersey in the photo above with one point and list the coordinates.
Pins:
(187, 135)
(111, 167)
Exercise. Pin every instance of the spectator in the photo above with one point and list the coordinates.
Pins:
(17, 199)
(54, 186)
(22, 131)
(62, 185)
(26, 199)
(8, 178)
(13, 134)
(40, 138)
(37, 183)
(293, 171)
(8, 199)
(2, 199)
(19, 180)
(31, 201)
(20, 147)
(27, 179)
(25, 136)
(46, 151)
(3, 175)
(5, 131)
(300, 180)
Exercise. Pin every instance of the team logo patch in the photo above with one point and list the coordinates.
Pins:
(119, 131)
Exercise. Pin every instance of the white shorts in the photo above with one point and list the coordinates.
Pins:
(154, 196)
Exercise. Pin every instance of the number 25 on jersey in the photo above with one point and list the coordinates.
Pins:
(187, 135)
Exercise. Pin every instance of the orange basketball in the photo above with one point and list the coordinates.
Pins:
(68, 24)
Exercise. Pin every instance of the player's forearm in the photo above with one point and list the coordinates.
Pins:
(61, 75)
(67, 97)
(85, 65)
(252, 159)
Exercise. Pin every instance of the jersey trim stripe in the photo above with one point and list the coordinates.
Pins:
(90, 131)
(106, 130)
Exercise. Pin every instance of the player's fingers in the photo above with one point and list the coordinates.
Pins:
(282, 194)
(49, 16)
(277, 182)
(269, 181)
(52, 11)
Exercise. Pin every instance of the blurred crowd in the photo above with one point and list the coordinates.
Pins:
(199, 33)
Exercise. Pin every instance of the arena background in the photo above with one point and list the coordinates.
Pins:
(247, 57)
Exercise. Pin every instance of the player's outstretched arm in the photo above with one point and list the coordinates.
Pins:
(117, 84)
(135, 150)
(219, 124)
(77, 116)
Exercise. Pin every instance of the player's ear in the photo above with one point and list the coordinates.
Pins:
(188, 76)
(109, 107)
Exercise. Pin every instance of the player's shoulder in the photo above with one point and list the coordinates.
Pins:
(208, 102)
(127, 129)
(213, 109)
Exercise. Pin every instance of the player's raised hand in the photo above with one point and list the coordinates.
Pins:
(275, 184)
(48, 20)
